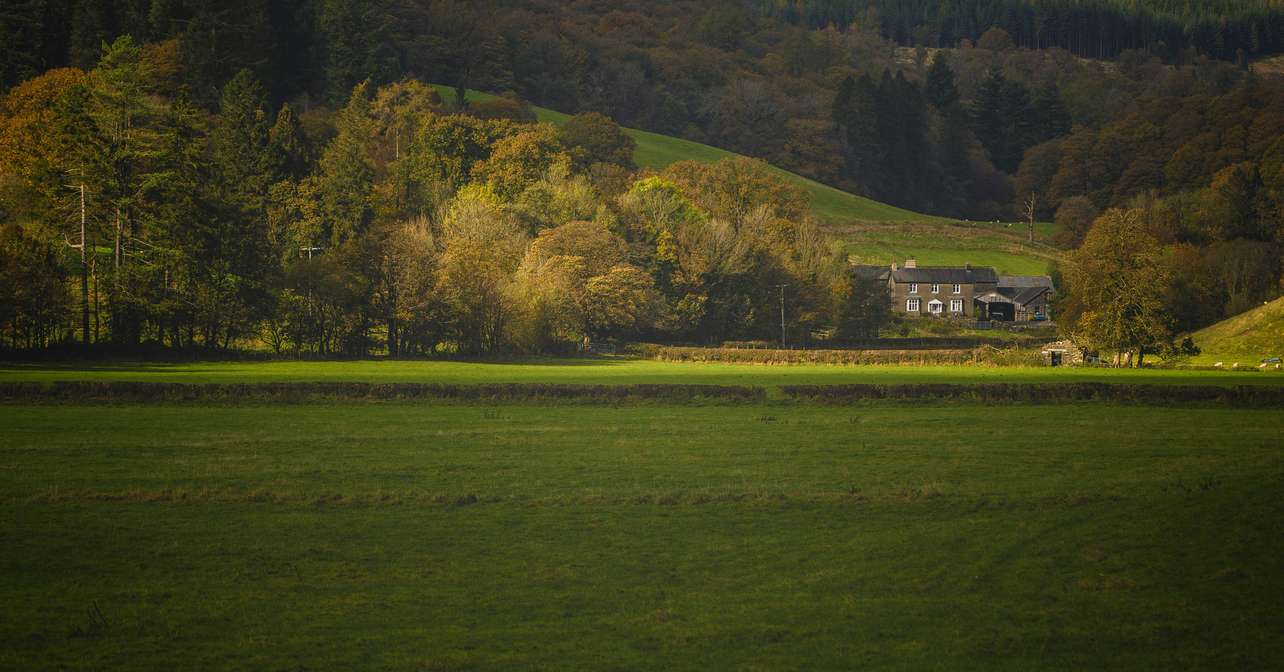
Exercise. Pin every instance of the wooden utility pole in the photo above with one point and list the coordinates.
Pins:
(782, 315)
(84, 271)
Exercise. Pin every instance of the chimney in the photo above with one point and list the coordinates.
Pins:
(895, 267)
(967, 266)
(911, 263)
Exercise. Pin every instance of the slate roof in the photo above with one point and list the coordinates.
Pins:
(1023, 281)
(945, 275)
(1023, 295)
(872, 272)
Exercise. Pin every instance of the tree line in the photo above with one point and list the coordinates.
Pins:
(1171, 29)
(398, 224)
(840, 104)
(1205, 175)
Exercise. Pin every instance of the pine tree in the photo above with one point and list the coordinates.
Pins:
(856, 112)
(345, 177)
(987, 115)
(288, 146)
(941, 89)
(356, 39)
(21, 31)
(89, 32)
(1051, 118)
(127, 120)
(221, 39)
(240, 142)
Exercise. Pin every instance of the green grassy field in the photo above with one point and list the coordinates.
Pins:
(1247, 338)
(413, 537)
(1001, 246)
(656, 151)
(606, 371)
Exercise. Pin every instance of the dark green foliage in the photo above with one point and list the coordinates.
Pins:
(864, 310)
(27, 45)
(222, 38)
(33, 289)
(354, 37)
(1091, 28)
(287, 146)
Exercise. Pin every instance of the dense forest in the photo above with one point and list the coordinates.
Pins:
(1225, 29)
(729, 74)
(265, 170)
(404, 225)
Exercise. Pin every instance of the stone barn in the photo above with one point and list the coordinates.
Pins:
(1063, 353)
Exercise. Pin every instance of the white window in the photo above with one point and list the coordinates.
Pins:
(956, 305)
(913, 288)
(936, 289)
(958, 289)
(911, 305)
(935, 307)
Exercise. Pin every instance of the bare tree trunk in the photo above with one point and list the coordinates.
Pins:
(97, 309)
(84, 273)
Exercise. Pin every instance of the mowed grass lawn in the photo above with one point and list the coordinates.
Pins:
(766, 536)
(605, 371)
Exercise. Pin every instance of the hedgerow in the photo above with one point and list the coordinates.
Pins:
(985, 356)
(134, 392)
(1246, 396)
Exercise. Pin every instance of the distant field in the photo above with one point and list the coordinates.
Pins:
(607, 371)
(414, 537)
(1245, 339)
(657, 151)
(1002, 246)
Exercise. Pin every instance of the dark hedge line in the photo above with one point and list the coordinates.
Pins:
(1247, 396)
(124, 392)
(924, 343)
(985, 356)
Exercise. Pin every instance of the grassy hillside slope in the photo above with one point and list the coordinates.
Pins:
(859, 223)
(1246, 338)
(657, 151)
(1003, 246)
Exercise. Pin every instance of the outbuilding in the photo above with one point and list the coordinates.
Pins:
(1063, 353)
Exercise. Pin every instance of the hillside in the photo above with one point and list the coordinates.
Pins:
(861, 224)
(1246, 338)
(1001, 245)
(656, 151)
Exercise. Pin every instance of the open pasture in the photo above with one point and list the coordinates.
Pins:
(605, 371)
(1002, 246)
(523, 536)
